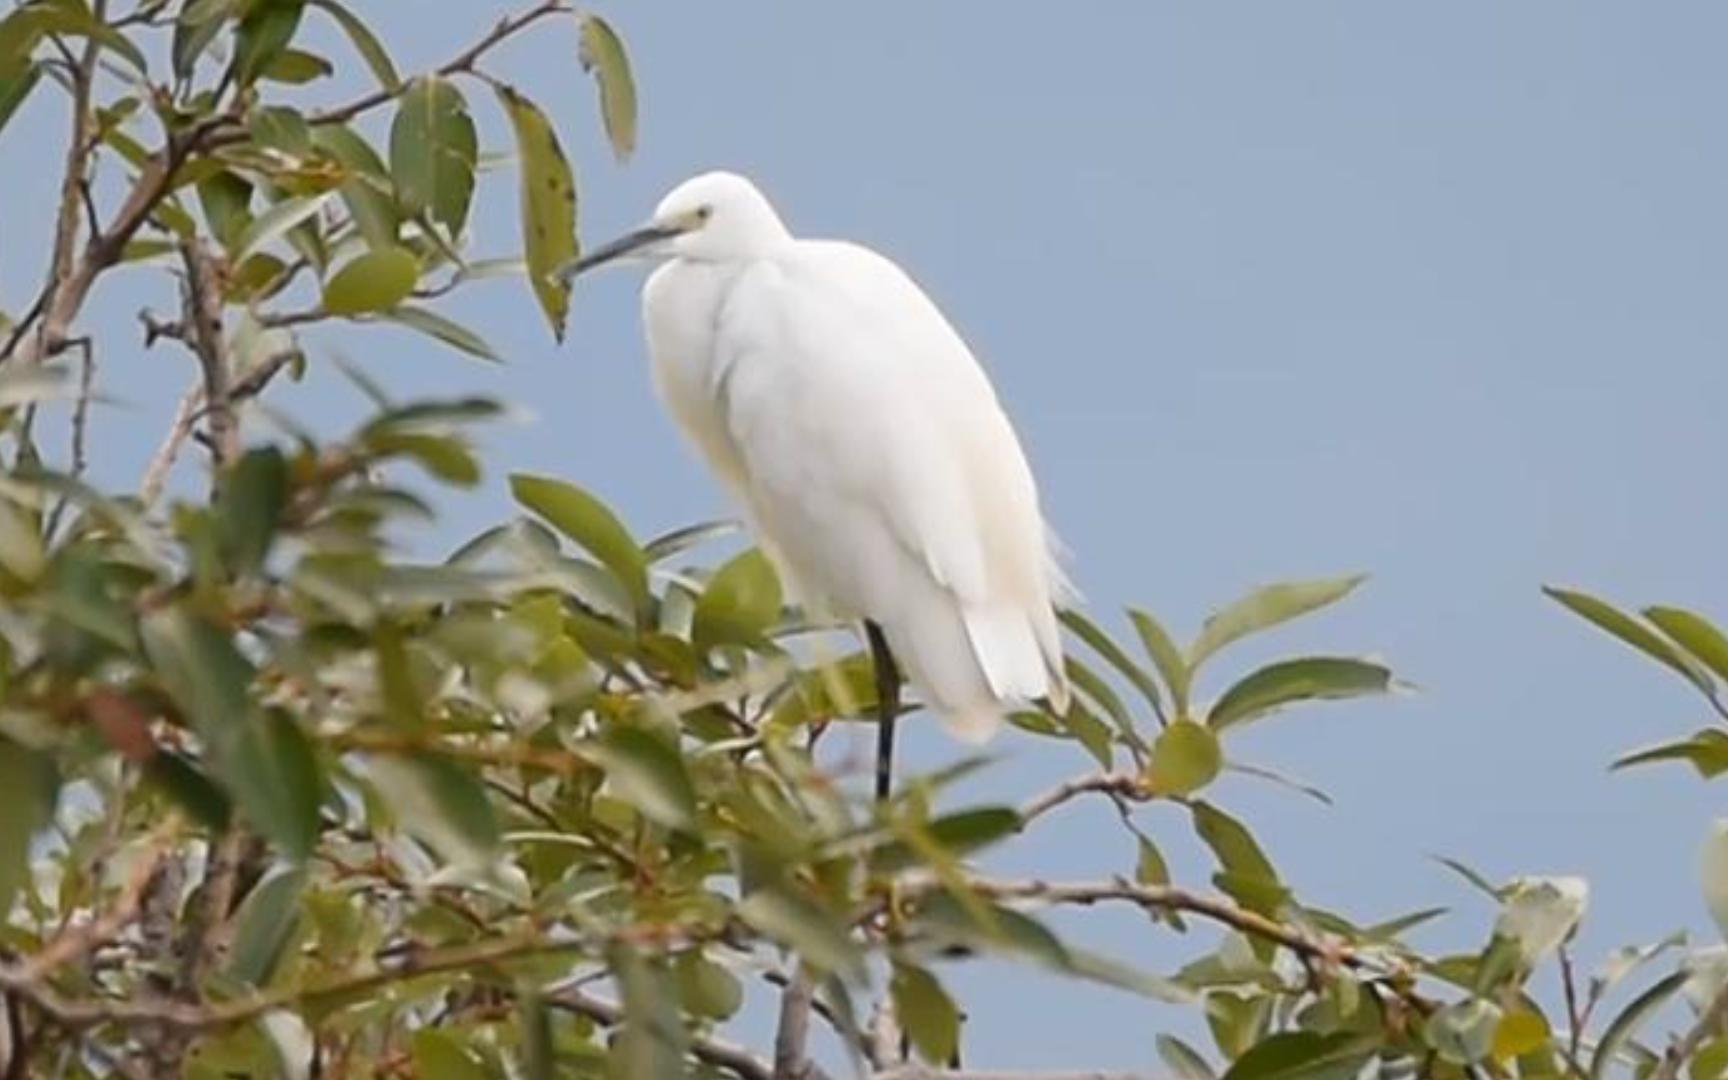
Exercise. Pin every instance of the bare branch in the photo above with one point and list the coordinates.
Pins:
(204, 320)
(792, 1035)
(179, 429)
(1117, 785)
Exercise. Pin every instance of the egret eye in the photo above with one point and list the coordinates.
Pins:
(704, 212)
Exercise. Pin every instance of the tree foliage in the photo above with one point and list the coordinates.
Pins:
(284, 802)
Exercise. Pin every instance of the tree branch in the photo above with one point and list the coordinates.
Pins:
(1709, 1022)
(706, 1049)
(792, 1035)
(203, 320)
(1117, 785)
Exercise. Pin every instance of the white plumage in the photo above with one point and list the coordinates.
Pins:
(852, 425)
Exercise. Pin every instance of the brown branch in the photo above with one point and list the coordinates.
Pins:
(162, 461)
(204, 321)
(1117, 785)
(511, 755)
(792, 1034)
(78, 941)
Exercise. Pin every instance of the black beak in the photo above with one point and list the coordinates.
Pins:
(617, 249)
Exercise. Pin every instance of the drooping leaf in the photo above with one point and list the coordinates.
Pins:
(249, 508)
(1247, 874)
(1612, 620)
(1102, 644)
(441, 803)
(14, 88)
(648, 774)
(1265, 608)
(448, 331)
(1185, 758)
(548, 205)
(927, 1013)
(1308, 678)
(264, 761)
(602, 54)
(1626, 1024)
(32, 784)
(586, 520)
(814, 933)
(263, 924)
(374, 281)
(263, 35)
(366, 43)
(740, 603)
(1303, 1055)
(433, 150)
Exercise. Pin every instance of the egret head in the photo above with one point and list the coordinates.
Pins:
(715, 217)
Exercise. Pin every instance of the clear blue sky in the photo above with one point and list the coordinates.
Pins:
(1271, 290)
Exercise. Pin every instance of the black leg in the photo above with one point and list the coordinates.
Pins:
(887, 707)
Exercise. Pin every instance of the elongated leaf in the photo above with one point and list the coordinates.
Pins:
(448, 331)
(1694, 633)
(1621, 1029)
(375, 281)
(1309, 678)
(602, 53)
(1265, 608)
(277, 222)
(1185, 759)
(365, 192)
(442, 804)
(814, 933)
(548, 205)
(14, 88)
(1161, 647)
(1251, 877)
(69, 20)
(297, 67)
(1303, 1055)
(650, 775)
(264, 761)
(741, 602)
(366, 43)
(957, 835)
(1612, 620)
(263, 924)
(927, 1012)
(681, 540)
(1184, 1062)
(433, 149)
(1102, 644)
(651, 1044)
(1707, 751)
(31, 784)
(249, 508)
(586, 520)
(264, 34)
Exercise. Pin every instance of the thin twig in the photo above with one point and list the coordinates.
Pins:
(204, 320)
(1119, 785)
(80, 940)
(792, 1033)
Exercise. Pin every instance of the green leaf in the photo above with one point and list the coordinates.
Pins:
(226, 199)
(927, 1012)
(1184, 1062)
(957, 835)
(650, 775)
(1239, 856)
(277, 222)
(1308, 678)
(1265, 608)
(280, 128)
(264, 33)
(440, 1055)
(1185, 759)
(1610, 619)
(1091, 732)
(374, 281)
(1303, 1055)
(548, 205)
(365, 191)
(1694, 633)
(433, 150)
(31, 784)
(1621, 1029)
(76, 20)
(1102, 644)
(1707, 751)
(366, 43)
(14, 88)
(263, 924)
(194, 792)
(449, 332)
(602, 53)
(740, 603)
(194, 30)
(445, 456)
(296, 67)
(441, 803)
(263, 760)
(1161, 647)
(811, 931)
(1150, 868)
(587, 521)
(707, 989)
(650, 1044)
(249, 508)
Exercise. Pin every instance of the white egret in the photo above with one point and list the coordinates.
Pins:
(864, 445)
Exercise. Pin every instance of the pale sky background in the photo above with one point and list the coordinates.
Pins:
(1271, 290)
